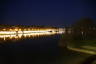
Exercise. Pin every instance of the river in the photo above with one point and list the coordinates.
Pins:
(44, 49)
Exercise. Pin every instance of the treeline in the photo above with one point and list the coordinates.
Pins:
(6, 26)
(83, 29)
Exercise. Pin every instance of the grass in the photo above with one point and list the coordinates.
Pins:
(88, 46)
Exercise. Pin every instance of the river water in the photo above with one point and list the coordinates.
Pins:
(44, 49)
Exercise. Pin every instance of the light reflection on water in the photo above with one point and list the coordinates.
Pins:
(26, 35)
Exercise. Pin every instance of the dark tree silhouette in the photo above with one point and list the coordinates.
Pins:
(85, 27)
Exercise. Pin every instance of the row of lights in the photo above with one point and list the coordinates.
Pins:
(19, 29)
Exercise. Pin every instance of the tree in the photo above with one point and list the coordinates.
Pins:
(84, 29)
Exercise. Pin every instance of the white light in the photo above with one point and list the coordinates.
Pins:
(32, 33)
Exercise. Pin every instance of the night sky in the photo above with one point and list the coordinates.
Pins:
(46, 12)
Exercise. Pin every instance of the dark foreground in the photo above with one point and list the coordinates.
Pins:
(42, 50)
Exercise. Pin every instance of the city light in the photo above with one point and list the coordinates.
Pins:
(18, 33)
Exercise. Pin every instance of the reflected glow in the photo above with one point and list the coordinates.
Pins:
(82, 50)
(11, 35)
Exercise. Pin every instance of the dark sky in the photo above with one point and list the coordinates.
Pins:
(46, 12)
